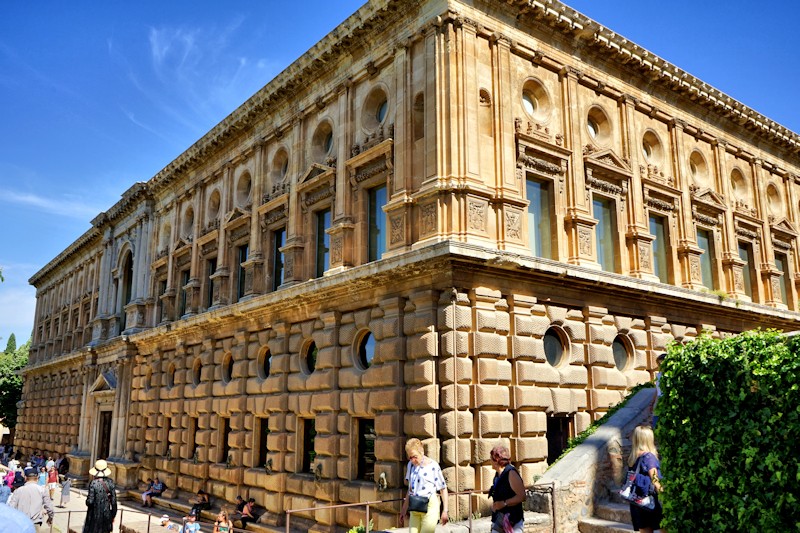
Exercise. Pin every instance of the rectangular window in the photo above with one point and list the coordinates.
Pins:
(705, 242)
(323, 242)
(366, 449)
(278, 240)
(307, 452)
(167, 428)
(605, 233)
(261, 434)
(782, 264)
(162, 288)
(224, 438)
(211, 267)
(241, 253)
(184, 277)
(658, 228)
(377, 223)
(540, 229)
(192, 437)
(746, 255)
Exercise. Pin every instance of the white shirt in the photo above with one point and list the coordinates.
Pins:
(425, 480)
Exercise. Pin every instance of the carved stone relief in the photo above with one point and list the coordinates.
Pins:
(644, 256)
(476, 215)
(694, 269)
(514, 225)
(336, 250)
(585, 242)
(428, 216)
(776, 289)
(397, 229)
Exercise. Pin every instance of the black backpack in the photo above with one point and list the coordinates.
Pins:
(19, 480)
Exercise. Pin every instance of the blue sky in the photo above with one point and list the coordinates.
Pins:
(98, 95)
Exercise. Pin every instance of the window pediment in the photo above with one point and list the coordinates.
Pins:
(236, 214)
(783, 228)
(542, 158)
(371, 165)
(709, 199)
(606, 164)
(105, 382)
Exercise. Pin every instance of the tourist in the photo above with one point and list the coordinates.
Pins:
(33, 501)
(155, 488)
(240, 503)
(42, 476)
(248, 512)
(191, 525)
(9, 480)
(223, 523)
(425, 479)
(65, 491)
(200, 502)
(5, 493)
(14, 521)
(52, 480)
(101, 500)
(643, 449)
(508, 492)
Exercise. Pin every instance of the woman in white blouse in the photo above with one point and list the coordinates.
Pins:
(425, 479)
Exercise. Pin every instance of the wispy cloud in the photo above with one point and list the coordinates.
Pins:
(17, 302)
(62, 206)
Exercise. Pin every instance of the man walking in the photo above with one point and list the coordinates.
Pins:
(34, 501)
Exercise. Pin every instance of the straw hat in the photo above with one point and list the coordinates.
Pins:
(100, 469)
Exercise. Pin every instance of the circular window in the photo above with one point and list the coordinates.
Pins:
(376, 108)
(774, 202)
(243, 187)
(598, 126)
(213, 205)
(738, 184)
(171, 376)
(188, 221)
(698, 168)
(264, 363)
(366, 350)
(651, 148)
(309, 358)
(322, 142)
(621, 353)
(227, 368)
(553, 347)
(535, 101)
(529, 103)
(280, 165)
(197, 368)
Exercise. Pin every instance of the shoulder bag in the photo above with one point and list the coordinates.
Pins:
(638, 488)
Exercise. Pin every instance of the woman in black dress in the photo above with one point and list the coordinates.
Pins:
(101, 500)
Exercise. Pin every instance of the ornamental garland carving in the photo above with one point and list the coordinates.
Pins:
(372, 169)
(476, 215)
(644, 256)
(183, 259)
(707, 220)
(585, 242)
(239, 233)
(750, 234)
(317, 195)
(397, 230)
(208, 248)
(781, 245)
(271, 217)
(658, 203)
(514, 225)
(694, 268)
(428, 218)
(605, 186)
(535, 163)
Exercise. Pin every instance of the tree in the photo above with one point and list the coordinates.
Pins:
(11, 383)
(11, 346)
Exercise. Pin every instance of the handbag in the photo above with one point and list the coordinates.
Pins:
(418, 504)
(637, 488)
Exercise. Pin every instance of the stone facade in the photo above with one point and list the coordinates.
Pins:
(356, 256)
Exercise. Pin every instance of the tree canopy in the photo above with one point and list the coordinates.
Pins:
(11, 381)
(11, 345)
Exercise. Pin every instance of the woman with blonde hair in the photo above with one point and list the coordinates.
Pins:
(223, 524)
(644, 456)
(425, 484)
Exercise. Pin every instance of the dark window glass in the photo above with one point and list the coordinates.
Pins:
(553, 347)
(366, 449)
(660, 263)
(323, 242)
(308, 453)
(366, 350)
(225, 433)
(242, 252)
(621, 354)
(377, 222)
(706, 243)
(262, 434)
(540, 238)
(746, 255)
(184, 277)
(782, 264)
(278, 237)
(211, 267)
(311, 358)
(604, 233)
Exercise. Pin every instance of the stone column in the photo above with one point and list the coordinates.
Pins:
(254, 266)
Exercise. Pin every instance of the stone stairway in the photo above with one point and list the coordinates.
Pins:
(609, 517)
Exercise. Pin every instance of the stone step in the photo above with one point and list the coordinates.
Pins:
(616, 511)
(600, 525)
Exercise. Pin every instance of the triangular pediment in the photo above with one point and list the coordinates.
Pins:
(608, 160)
(237, 212)
(710, 198)
(316, 169)
(105, 382)
(784, 226)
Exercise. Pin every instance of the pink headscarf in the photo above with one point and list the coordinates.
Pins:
(10, 478)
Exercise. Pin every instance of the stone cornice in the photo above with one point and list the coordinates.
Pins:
(570, 21)
(87, 239)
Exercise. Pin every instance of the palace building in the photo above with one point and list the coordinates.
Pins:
(466, 221)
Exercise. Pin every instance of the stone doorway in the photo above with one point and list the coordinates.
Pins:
(103, 435)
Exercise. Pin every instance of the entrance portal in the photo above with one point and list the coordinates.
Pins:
(104, 435)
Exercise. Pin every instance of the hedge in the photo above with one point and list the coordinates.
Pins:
(729, 434)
